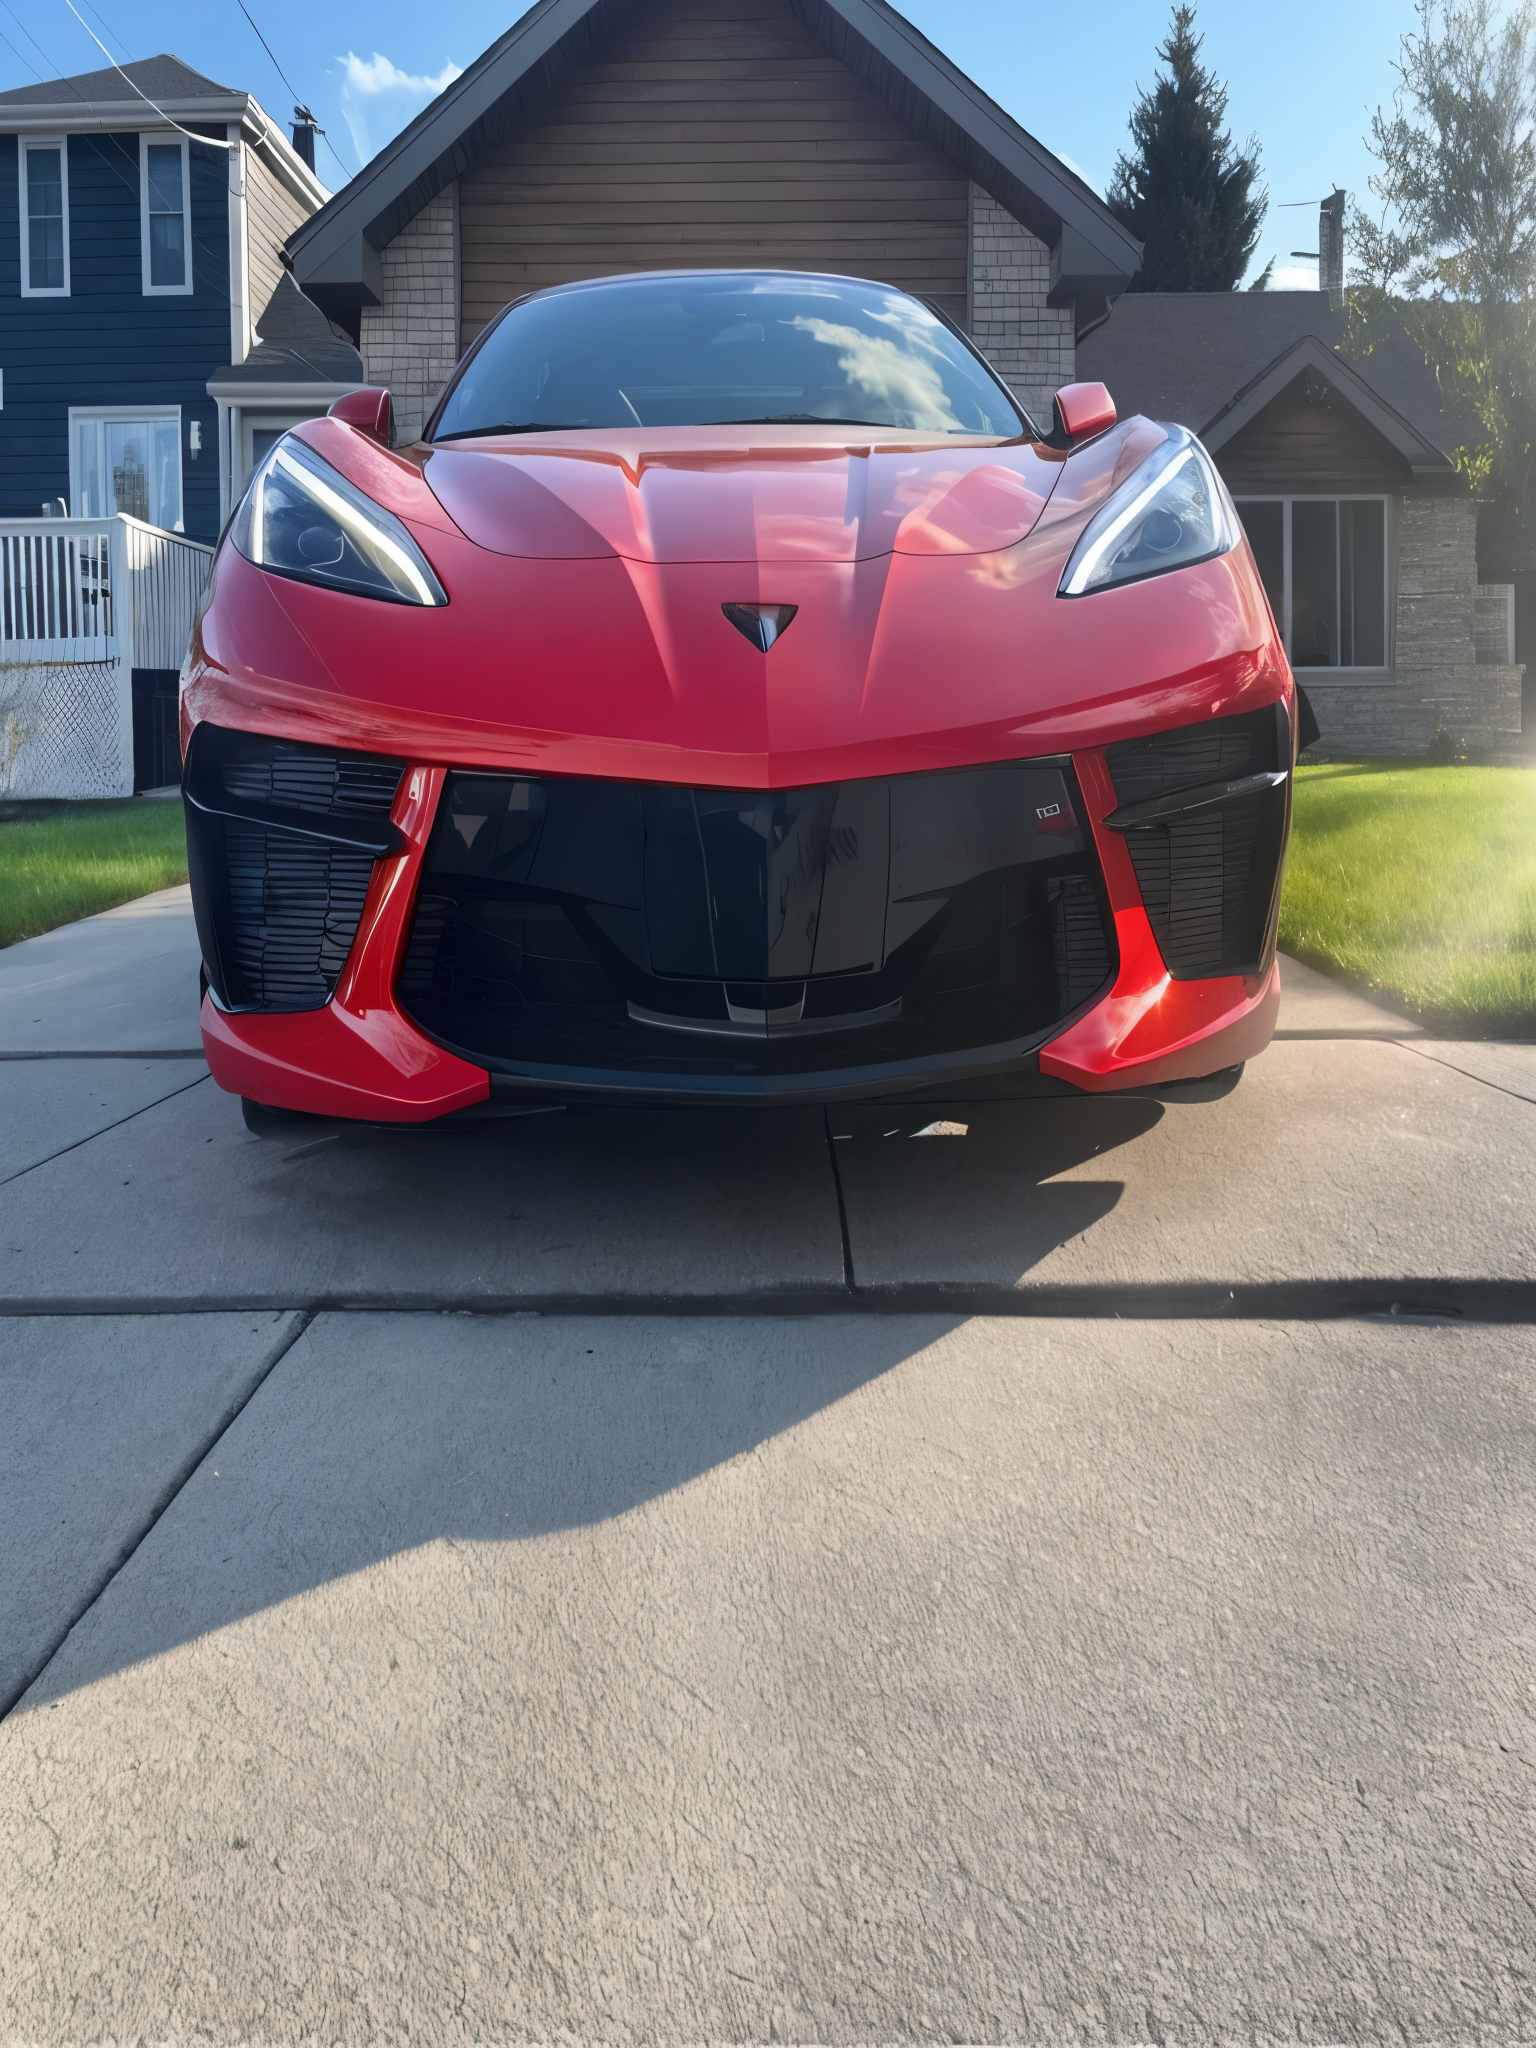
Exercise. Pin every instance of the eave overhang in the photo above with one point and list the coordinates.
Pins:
(140, 117)
(227, 387)
(335, 254)
(1431, 468)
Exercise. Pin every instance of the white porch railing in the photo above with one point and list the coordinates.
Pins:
(166, 574)
(56, 592)
(83, 603)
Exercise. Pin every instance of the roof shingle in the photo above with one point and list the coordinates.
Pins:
(158, 78)
(1183, 356)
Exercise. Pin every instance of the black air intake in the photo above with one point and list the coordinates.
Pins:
(1205, 810)
(281, 842)
(628, 927)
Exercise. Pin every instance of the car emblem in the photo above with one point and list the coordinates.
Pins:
(760, 623)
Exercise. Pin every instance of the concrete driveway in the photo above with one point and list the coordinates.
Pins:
(1043, 1571)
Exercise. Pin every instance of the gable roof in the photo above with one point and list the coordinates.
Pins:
(336, 254)
(1212, 360)
(114, 100)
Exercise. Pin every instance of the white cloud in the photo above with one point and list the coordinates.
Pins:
(378, 98)
(1293, 277)
(1087, 176)
(887, 373)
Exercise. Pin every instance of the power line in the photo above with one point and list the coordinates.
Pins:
(4, 38)
(288, 82)
(282, 74)
(111, 31)
(90, 141)
(144, 96)
(32, 39)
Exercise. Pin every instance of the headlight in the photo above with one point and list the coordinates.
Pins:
(301, 518)
(1172, 511)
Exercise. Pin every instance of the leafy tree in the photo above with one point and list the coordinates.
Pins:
(1453, 253)
(1185, 192)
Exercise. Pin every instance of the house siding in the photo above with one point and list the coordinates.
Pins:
(712, 133)
(272, 214)
(409, 342)
(1307, 442)
(1030, 344)
(108, 344)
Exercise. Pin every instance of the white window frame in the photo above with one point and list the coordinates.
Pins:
(23, 182)
(165, 139)
(115, 415)
(1286, 500)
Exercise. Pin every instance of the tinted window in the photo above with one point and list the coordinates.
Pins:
(720, 348)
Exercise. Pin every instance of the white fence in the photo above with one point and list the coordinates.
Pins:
(83, 603)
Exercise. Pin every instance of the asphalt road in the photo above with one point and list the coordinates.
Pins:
(1066, 1574)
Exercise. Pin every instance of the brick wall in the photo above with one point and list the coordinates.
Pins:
(410, 342)
(1438, 679)
(1030, 343)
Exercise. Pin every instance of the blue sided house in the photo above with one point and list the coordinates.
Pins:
(142, 216)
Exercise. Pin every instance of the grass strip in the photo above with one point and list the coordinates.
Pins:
(1419, 883)
(63, 861)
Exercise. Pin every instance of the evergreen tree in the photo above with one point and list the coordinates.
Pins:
(1186, 193)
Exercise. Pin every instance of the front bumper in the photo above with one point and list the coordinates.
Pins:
(398, 942)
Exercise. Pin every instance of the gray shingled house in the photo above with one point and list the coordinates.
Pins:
(1364, 531)
(611, 135)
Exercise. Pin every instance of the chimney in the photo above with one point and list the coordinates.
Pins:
(1330, 248)
(304, 135)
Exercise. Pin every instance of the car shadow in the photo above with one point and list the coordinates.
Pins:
(977, 1194)
(390, 1426)
(377, 1434)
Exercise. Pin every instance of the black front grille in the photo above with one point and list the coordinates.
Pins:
(641, 927)
(281, 844)
(1209, 875)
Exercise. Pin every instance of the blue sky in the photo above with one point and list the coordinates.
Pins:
(1304, 79)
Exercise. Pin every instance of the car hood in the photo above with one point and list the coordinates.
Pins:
(587, 630)
(774, 495)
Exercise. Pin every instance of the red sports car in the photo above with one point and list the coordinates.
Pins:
(733, 697)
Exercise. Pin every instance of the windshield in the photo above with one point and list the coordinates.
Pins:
(721, 348)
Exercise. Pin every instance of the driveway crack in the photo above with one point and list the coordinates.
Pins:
(297, 1324)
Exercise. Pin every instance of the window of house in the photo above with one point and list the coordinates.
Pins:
(126, 460)
(45, 219)
(163, 197)
(1324, 565)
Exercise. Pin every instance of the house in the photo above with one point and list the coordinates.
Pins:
(608, 135)
(139, 260)
(1365, 532)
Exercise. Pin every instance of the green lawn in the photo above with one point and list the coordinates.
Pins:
(1417, 882)
(63, 861)
(1421, 883)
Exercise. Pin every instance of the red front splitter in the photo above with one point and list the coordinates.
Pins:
(1156, 1029)
(359, 1056)
(1151, 1028)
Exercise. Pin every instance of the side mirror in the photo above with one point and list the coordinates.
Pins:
(1082, 410)
(373, 414)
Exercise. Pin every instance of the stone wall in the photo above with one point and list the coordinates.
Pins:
(410, 343)
(1029, 343)
(1438, 680)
